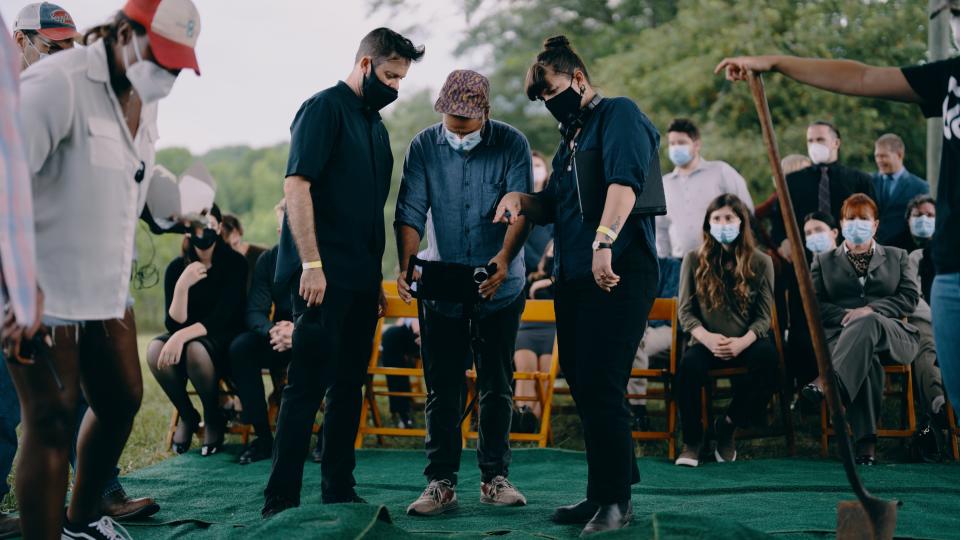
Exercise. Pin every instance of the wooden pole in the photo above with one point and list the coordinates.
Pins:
(881, 514)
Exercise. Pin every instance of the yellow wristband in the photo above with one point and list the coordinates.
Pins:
(313, 264)
(607, 231)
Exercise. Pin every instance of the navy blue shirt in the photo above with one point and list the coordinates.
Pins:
(461, 190)
(628, 141)
(343, 149)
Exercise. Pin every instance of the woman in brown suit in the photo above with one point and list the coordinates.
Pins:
(865, 290)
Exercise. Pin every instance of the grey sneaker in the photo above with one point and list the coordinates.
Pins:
(726, 450)
(689, 456)
(439, 497)
(500, 492)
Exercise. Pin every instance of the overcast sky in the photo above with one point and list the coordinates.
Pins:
(261, 58)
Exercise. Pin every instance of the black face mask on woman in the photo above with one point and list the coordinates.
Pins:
(206, 239)
(565, 106)
(376, 94)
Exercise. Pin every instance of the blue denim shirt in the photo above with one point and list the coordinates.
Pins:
(461, 190)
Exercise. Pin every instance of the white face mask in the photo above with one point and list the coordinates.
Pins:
(819, 153)
(40, 55)
(539, 176)
(955, 27)
(151, 81)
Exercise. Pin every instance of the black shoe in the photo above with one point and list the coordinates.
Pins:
(261, 448)
(524, 421)
(9, 526)
(641, 422)
(403, 420)
(102, 529)
(575, 514)
(868, 461)
(349, 497)
(609, 517)
(212, 448)
(274, 505)
(813, 393)
(181, 447)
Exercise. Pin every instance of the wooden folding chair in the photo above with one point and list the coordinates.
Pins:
(396, 308)
(534, 311)
(782, 395)
(953, 432)
(664, 309)
(908, 413)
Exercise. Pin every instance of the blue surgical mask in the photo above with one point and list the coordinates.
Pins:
(725, 233)
(858, 231)
(820, 242)
(680, 154)
(923, 226)
(466, 143)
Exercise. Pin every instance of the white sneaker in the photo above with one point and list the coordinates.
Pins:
(103, 529)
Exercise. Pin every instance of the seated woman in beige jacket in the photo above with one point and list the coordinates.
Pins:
(726, 304)
(865, 290)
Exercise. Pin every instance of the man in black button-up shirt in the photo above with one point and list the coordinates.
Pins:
(338, 177)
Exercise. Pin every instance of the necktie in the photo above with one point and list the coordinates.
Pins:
(823, 193)
(888, 186)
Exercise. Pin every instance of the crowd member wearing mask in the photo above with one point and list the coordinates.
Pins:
(726, 305)
(692, 185)
(232, 231)
(265, 344)
(606, 269)
(89, 119)
(331, 247)
(534, 350)
(43, 29)
(821, 237)
(895, 187)
(932, 86)
(21, 304)
(457, 170)
(921, 217)
(204, 290)
(864, 290)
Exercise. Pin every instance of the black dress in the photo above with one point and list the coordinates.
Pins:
(216, 302)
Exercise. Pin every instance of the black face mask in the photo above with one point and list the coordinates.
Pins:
(376, 94)
(565, 106)
(205, 240)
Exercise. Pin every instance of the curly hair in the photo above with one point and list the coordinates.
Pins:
(711, 272)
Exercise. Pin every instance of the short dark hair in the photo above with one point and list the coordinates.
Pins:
(558, 56)
(684, 125)
(383, 43)
(832, 127)
(231, 223)
(108, 30)
(821, 216)
(891, 141)
(923, 198)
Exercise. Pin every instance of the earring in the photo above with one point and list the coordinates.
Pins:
(583, 89)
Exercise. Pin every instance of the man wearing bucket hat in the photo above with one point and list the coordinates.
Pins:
(935, 88)
(89, 125)
(456, 171)
(43, 29)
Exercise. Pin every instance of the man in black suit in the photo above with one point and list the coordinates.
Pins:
(823, 186)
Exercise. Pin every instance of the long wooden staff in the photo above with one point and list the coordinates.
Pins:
(877, 514)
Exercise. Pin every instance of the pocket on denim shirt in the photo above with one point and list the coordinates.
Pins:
(490, 195)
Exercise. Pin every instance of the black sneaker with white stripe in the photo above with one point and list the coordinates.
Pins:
(102, 529)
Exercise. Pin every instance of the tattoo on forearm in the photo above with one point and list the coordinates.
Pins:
(616, 225)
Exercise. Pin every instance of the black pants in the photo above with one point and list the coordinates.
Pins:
(399, 344)
(332, 343)
(250, 353)
(598, 334)
(750, 392)
(445, 343)
(800, 358)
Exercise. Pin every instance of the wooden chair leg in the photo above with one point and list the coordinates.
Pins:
(952, 432)
(824, 430)
(174, 419)
(911, 408)
(672, 428)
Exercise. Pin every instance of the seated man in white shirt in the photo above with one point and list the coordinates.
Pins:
(690, 188)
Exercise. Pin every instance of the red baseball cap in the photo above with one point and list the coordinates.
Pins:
(173, 27)
(49, 20)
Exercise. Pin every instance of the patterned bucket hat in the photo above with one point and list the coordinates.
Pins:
(465, 93)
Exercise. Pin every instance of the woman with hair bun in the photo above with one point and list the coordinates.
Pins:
(605, 267)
